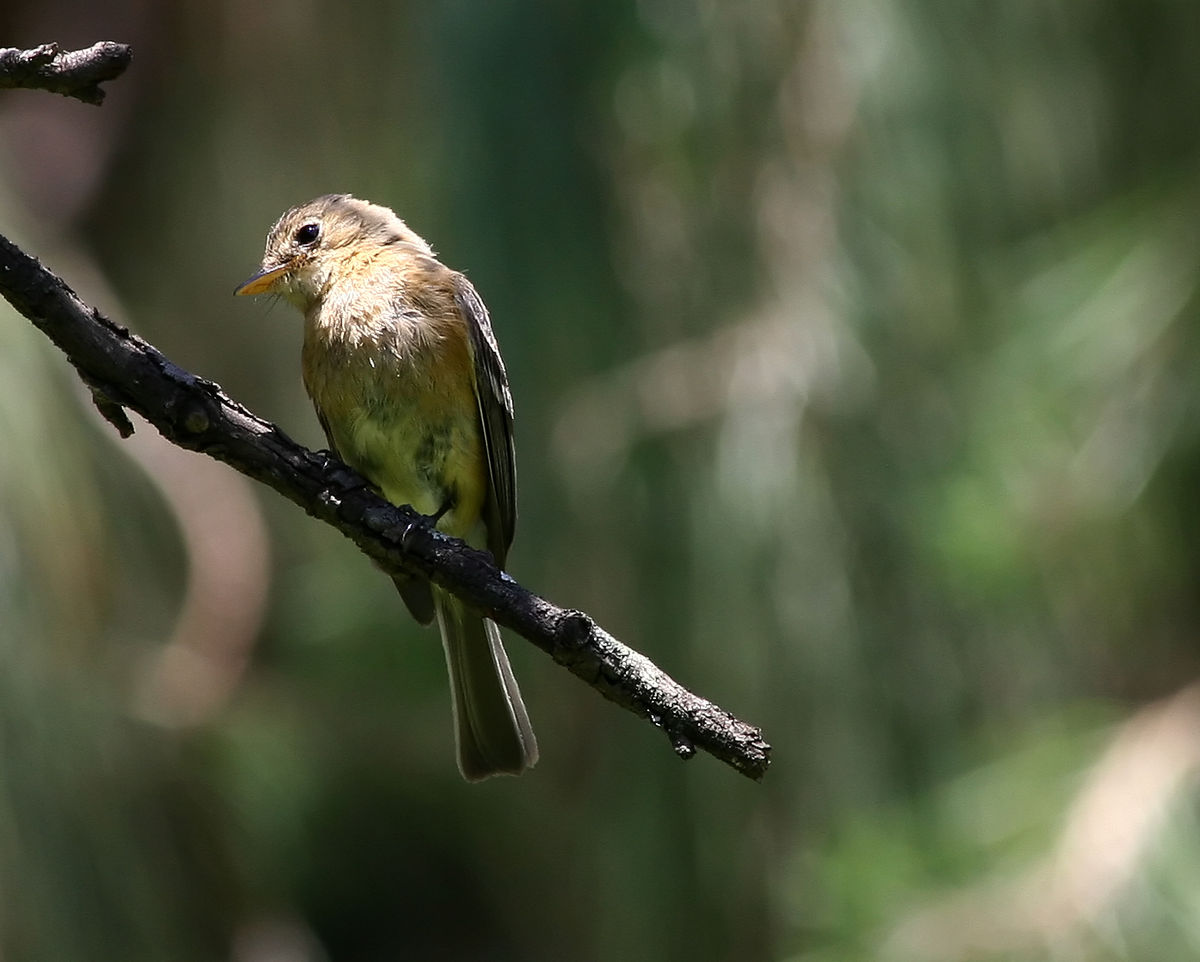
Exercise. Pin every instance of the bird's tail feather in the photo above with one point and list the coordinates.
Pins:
(491, 726)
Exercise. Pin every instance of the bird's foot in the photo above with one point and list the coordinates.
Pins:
(424, 523)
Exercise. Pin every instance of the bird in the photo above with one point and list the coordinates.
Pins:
(404, 370)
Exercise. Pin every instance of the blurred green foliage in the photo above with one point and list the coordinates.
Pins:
(853, 347)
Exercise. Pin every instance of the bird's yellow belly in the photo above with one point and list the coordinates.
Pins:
(428, 465)
(419, 443)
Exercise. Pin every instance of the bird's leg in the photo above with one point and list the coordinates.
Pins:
(427, 522)
(434, 518)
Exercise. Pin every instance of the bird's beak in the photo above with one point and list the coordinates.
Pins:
(262, 282)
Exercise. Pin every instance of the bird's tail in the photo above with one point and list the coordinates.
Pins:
(491, 726)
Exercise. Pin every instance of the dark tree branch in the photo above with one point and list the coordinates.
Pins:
(76, 73)
(123, 371)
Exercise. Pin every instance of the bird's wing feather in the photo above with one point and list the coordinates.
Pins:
(495, 417)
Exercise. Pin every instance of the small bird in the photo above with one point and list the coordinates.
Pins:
(404, 371)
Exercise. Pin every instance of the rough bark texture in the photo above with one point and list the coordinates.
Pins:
(75, 73)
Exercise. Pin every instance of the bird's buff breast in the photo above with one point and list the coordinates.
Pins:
(401, 411)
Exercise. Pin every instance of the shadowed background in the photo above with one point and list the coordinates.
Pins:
(853, 348)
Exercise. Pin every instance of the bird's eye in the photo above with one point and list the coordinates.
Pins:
(308, 234)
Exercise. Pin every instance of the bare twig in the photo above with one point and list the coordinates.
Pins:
(124, 371)
(75, 73)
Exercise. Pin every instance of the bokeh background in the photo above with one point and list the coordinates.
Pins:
(855, 355)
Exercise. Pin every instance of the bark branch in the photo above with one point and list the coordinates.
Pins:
(75, 73)
(125, 372)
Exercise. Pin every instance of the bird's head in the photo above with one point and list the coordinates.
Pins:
(309, 242)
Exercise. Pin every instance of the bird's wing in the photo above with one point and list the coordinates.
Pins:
(496, 417)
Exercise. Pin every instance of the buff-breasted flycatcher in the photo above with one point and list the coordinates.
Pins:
(402, 366)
